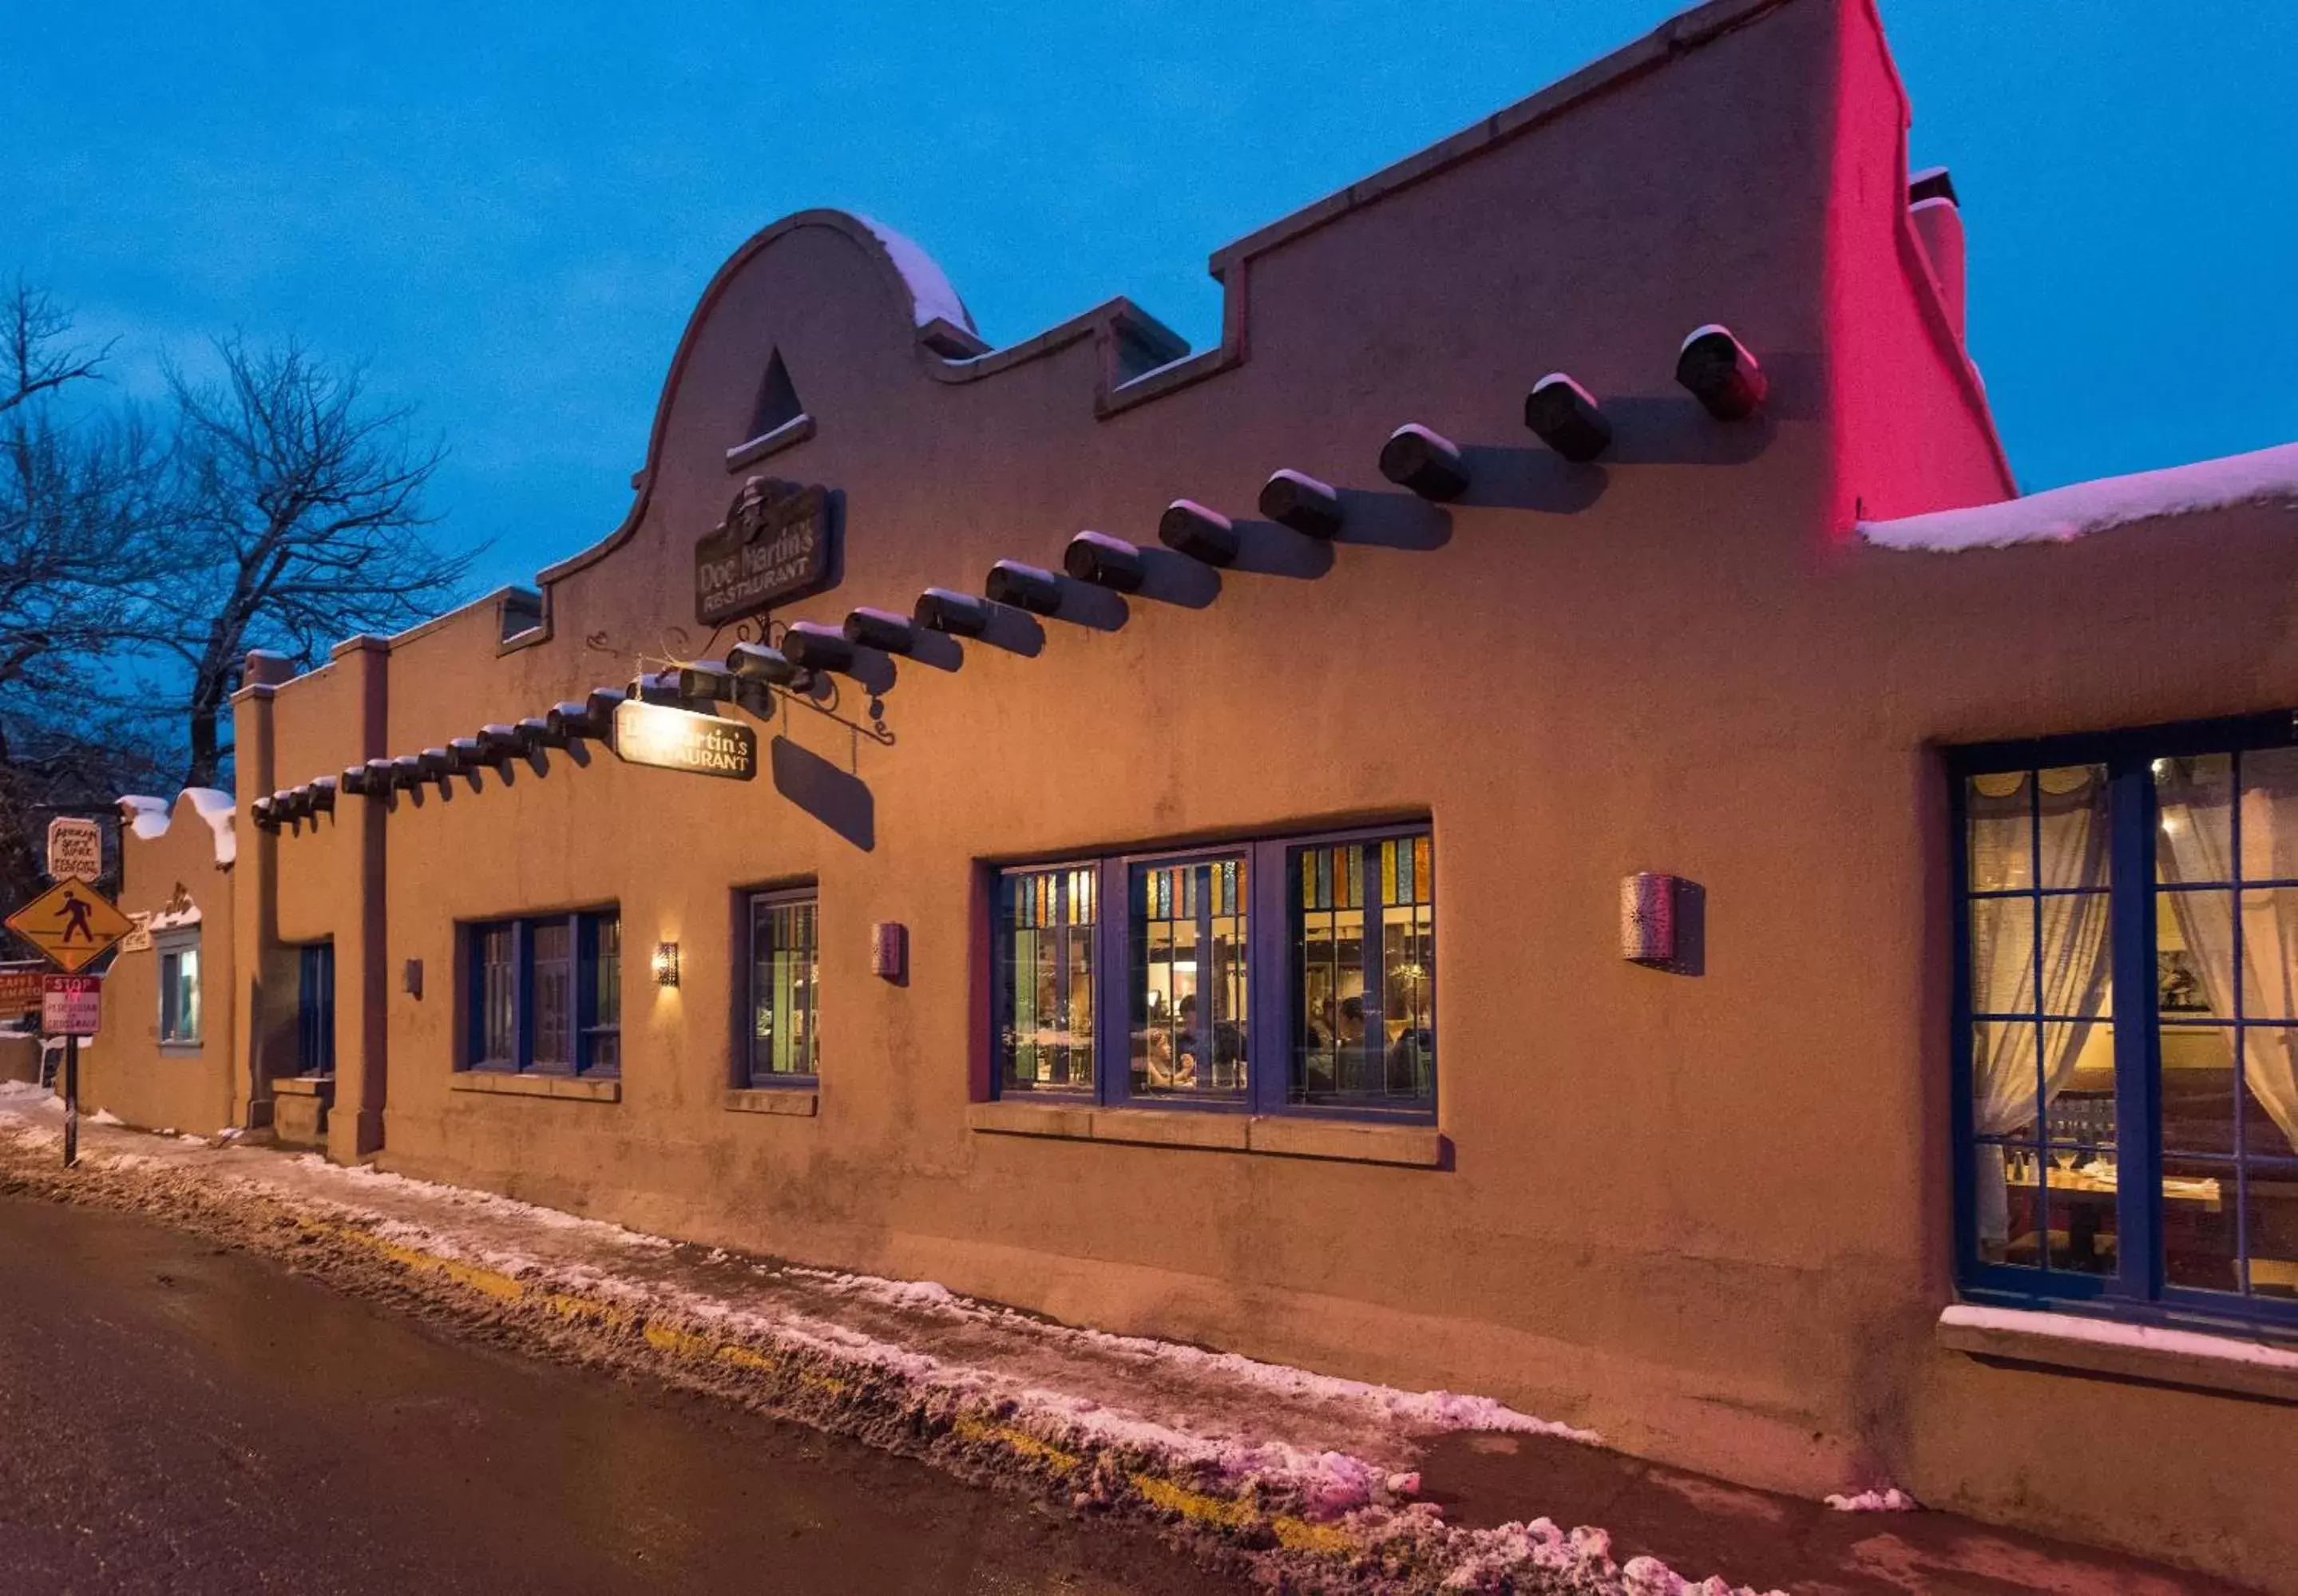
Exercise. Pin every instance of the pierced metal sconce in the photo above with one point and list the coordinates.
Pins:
(665, 964)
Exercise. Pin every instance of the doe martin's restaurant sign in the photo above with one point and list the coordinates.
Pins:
(680, 740)
(778, 541)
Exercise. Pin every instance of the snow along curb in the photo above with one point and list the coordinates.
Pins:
(1324, 1522)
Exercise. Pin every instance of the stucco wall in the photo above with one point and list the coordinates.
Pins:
(126, 1069)
(1706, 1214)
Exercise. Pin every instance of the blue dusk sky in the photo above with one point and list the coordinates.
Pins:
(509, 210)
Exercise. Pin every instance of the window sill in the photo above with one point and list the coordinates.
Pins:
(179, 1044)
(774, 1100)
(1415, 1146)
(2194, 1360)
(584, 1089)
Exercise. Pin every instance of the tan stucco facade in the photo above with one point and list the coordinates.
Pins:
(1706, 1213)
(176, 870)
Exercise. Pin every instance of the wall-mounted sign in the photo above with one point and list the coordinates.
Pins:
(75, 849)
(139, 940)
(20, 993)
(778, 541)
(680, 740)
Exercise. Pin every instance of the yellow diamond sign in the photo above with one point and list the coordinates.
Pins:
(72, 923)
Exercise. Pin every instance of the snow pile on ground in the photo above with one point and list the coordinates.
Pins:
(2266, 476)
(1312, 1478)
(1890, 1500)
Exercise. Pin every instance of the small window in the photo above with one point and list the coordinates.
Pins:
(179, 992)
(1046, 978)
(546, 994)
(1280, 975)
(602, 1031)
(785, 981)
(315, 1008)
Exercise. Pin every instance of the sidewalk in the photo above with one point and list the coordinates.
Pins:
(1315, 1483)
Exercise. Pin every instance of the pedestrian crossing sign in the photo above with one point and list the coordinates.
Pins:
(72, 923)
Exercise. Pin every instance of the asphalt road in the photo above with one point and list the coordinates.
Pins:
(176, 1416)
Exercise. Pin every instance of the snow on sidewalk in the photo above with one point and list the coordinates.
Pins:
(1307, 1471)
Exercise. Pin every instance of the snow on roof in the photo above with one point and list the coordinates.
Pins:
(932, 297)
(2061, 514)
(148, 817)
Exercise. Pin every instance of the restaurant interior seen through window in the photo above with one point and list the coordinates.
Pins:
(785, 984)
(1276, 974)
(2128, 980)
(545, 993)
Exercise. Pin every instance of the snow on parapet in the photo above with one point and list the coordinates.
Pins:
(147, 817)
(2061, 514)
(932, 297)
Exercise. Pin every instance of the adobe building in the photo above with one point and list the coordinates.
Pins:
(1669, 897)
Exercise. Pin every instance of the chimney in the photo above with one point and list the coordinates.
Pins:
(1939, 225)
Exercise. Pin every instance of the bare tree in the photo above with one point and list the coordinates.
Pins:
(299, 513)
(78, 507)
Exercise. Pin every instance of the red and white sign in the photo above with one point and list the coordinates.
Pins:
(71, 1003)
(20, 993)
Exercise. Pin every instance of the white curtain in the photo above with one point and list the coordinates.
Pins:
(2196, 797)
(2008, 1088)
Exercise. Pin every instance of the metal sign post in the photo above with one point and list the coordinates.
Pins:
(69, 1007)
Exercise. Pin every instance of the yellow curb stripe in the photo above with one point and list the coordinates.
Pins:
(1293, 1532)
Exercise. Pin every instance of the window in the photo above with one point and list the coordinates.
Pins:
(179, 990)
(545, 993)
(1286, 974)
(315, 1008)
(2127, 1033)
(785, 981)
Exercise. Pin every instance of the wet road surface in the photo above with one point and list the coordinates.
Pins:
(177, 1416)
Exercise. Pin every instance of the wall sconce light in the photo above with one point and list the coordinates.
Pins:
(1647, 918)
(889, 951)
(1720, 373)
(665, 964)
(1567, 418)
(1427, 462)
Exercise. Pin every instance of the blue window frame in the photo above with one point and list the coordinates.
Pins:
(1275, 975)
(2126, 1022)
(544, 994)
(315, 1008)
(178, 959)
(782, 1040)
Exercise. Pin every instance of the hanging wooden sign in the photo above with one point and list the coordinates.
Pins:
(672, 738)
(778, 541)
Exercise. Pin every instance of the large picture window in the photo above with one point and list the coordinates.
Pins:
(785, 981)
(2126, 1035)
(544, 994)
(1279, 974)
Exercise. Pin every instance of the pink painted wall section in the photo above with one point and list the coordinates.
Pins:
(1911, 429)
